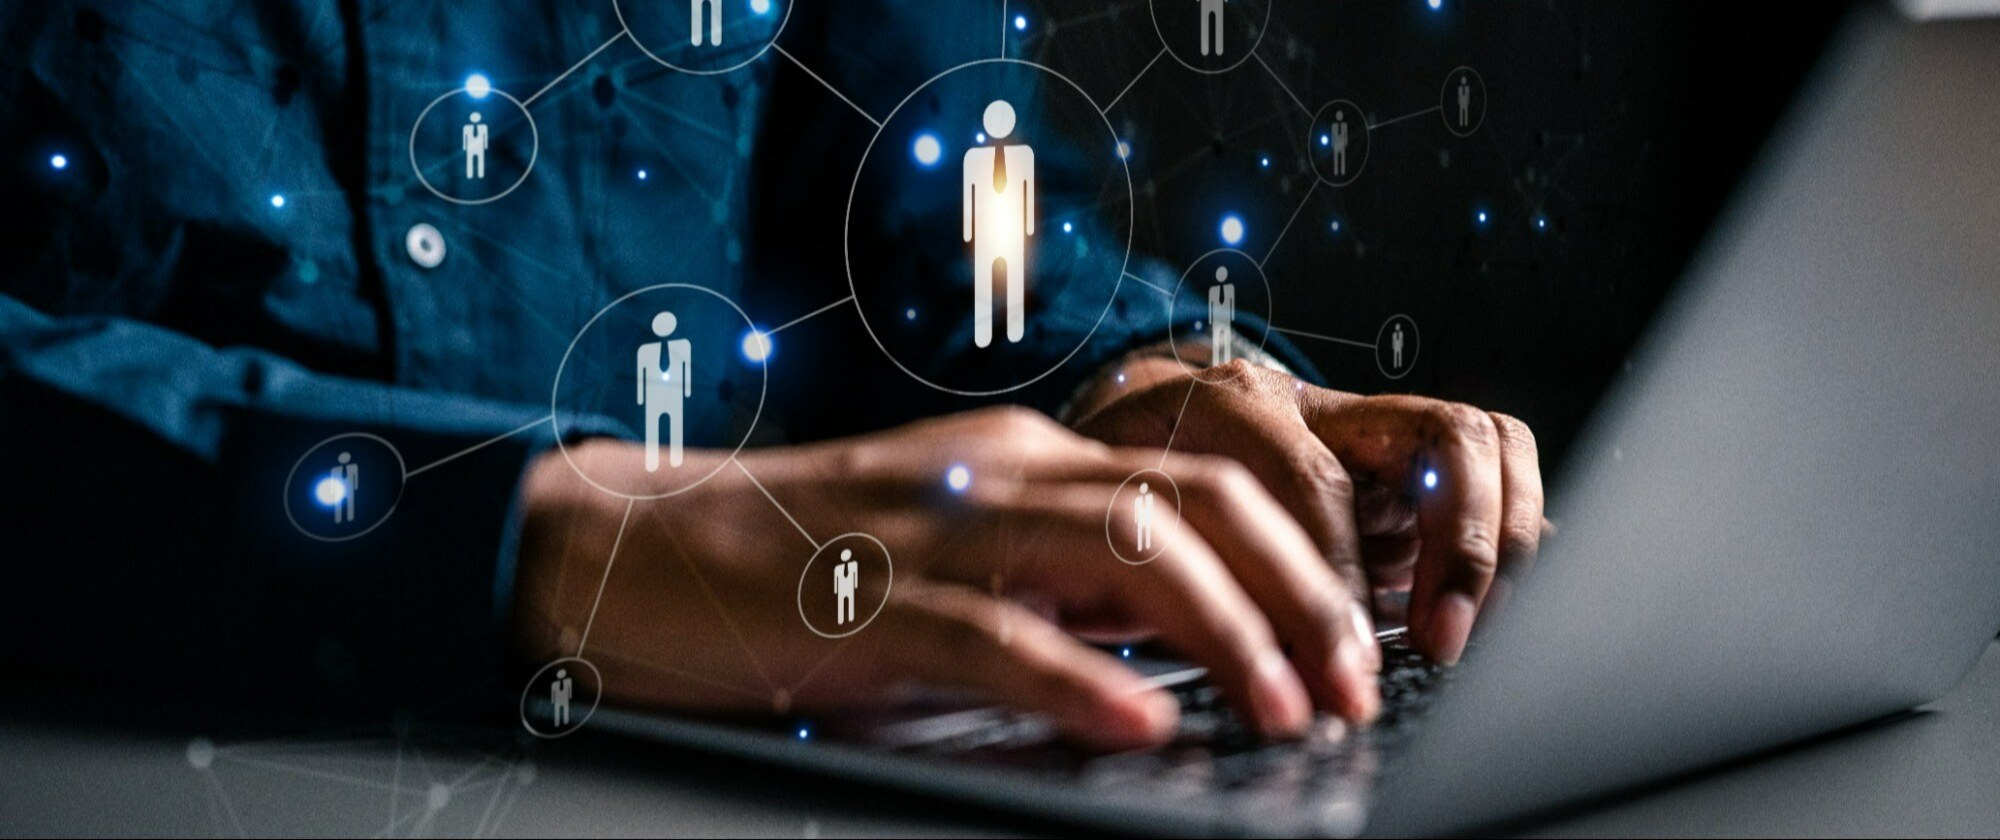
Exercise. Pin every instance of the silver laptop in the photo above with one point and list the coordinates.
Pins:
(1784, 521)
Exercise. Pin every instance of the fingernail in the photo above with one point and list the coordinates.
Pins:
(1163, 716)
(1361, 698)
(1282, 707)
(1364, 629)
(1451, 622)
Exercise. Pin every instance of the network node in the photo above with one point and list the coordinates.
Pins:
(660, 361)
(344, 487)
(845, 585)
(1143, 515)
(704, 37)
(560, 698)
(473, 149)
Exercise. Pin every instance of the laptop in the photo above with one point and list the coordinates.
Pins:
(1785, 520)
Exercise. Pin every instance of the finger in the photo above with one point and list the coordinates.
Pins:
(1403, 441)
(1315, 609)
(956, 636)
(1186, 594)
(1521, 521)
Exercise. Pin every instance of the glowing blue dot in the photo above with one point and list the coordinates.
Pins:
(1482, 217)
(762, 7)
(1232, 230)
(1541, 223)
(1125, 653)
(642, 174)
(1124, 150)
(59, 162)
(278, 201)
(1266, 163)
(958, 478)
(1121, 379)
(1068, 227)
(757, 346)
(1430, 479)
(1336, 225)
(478, 86)
(1436, 4)
(1326, 139)
(330, 491)
(804, 733)
(1021, 22)
(979, 138)
(928, 150)
(910, 314)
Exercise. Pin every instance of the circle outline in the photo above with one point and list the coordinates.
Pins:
(533, 156)
(596, 698)
(1414, 333)
(402, 483)
(890, 587)
(1111, 510)
(618, 11)
(1368, 147)
(847, 230)
(555, 394)
(1446, 90)
(1173, 303)
(1153, 11)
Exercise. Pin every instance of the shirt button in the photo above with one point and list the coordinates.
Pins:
(425, 244)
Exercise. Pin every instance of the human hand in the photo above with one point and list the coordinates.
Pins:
(697, 611)
(1353, 470)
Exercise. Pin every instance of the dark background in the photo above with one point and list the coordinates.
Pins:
(1625, 126)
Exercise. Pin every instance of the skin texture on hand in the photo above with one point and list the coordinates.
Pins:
(1354, 472)
(992, 585)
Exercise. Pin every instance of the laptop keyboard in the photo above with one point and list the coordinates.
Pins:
(1214, 753)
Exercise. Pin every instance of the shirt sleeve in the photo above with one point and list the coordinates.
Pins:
(148, 547)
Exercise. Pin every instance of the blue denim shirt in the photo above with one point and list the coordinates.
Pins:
(171, 340)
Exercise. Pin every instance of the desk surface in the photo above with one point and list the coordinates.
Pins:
(1934, 773)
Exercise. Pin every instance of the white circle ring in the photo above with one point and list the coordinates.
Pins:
(1173, 304)
(807, 572)
(533, 155)
(402, 482)
(847, 255)
(1153, 9)
(1111, 511)
(595, 698)
(555, 395)
(637, 42)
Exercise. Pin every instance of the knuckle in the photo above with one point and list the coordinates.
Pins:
(1516, 435)
(1479, 548)
(1465, 423)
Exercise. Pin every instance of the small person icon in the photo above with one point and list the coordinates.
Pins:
(1142, 516)
(560, 693)
(999, 189)
(1211, 26)
(1396, 347)
(1340, 142)
(1222, 317)
(846, 580)
(348, 474)
(1464, 101)
(475, 140)
(666, 381)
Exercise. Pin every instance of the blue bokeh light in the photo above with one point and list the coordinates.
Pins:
(758, 346)
(761, 7)
(478, 86)
(58, 162)
(1021, 23)
(1430, 479)
(1232, 230)
(330, 491)
(958, 478)
(928, 150)
(1435, 4)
